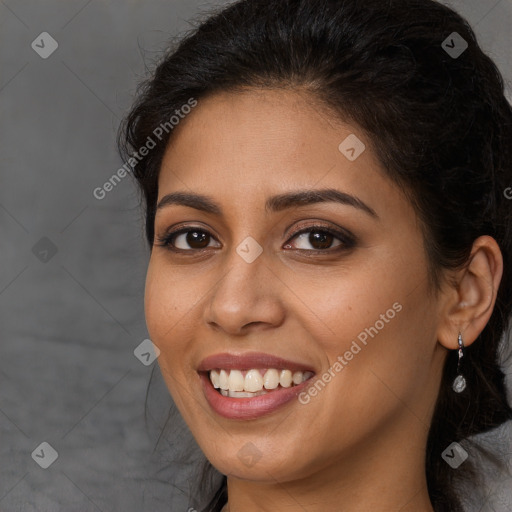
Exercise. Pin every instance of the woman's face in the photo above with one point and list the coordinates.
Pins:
(354, 309)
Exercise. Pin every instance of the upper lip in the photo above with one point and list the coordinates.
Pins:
(248, 361)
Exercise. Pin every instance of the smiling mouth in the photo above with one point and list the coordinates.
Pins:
(254, 382)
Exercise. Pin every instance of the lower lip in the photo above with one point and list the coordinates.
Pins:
(248, 408)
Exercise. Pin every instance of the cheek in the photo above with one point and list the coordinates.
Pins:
(345, 305)
(390, 353)
(162, 302)
(170, 305)
(166, 301)
(379, 320)
(154, 305)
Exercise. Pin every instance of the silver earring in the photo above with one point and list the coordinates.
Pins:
(459, 383)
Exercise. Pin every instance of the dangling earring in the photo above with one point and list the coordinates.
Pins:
(459, 383)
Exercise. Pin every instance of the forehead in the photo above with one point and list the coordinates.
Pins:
(248, 145)
(253, 126)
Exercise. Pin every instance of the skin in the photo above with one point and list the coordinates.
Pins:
(361, 441)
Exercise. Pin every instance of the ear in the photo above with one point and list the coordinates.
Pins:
(469, 302)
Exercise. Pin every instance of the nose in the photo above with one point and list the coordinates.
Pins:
(247, 296)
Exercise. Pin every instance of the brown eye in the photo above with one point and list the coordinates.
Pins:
(194, 239)
(186, 240)
(321, 239)
(197, 239)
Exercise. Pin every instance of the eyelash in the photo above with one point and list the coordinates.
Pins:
(347, 240)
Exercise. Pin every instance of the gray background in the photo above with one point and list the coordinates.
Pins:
(69, 325)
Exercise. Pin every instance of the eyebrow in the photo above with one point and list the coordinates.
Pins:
(273, 204)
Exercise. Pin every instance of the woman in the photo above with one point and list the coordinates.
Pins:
(330, 273)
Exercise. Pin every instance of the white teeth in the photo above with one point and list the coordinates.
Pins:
(223, 380)
(253, 381)
(232, 383)
(214, 377)
(242, 394)
(297, 377)
(271, 379)
(285, 378)
(236, 381)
